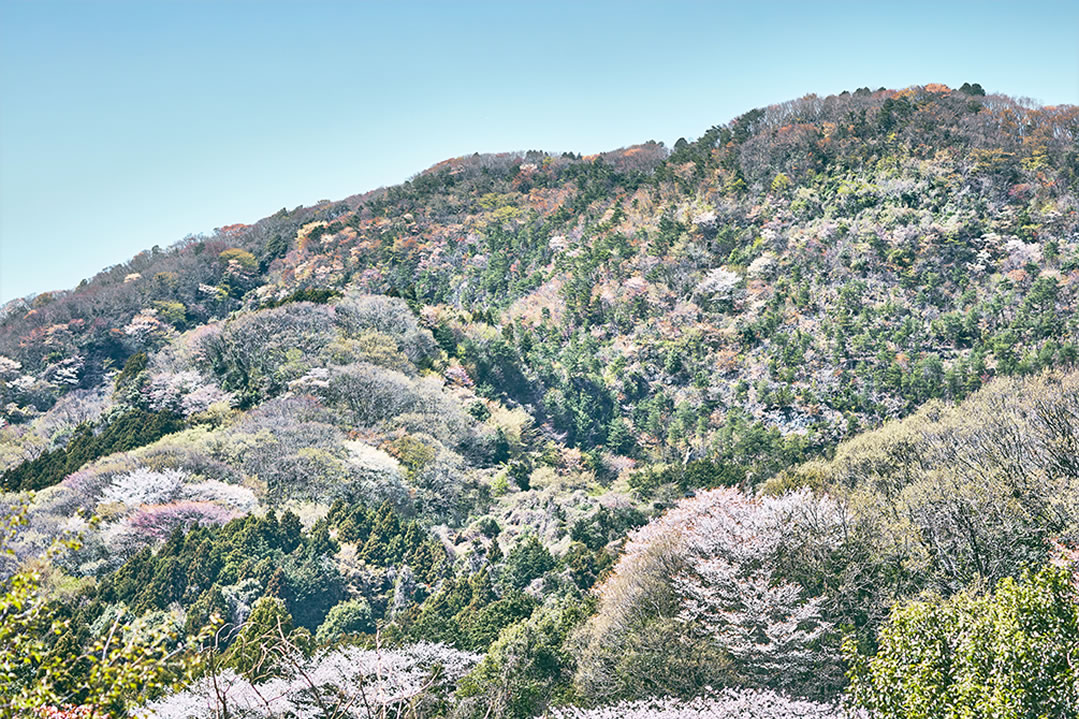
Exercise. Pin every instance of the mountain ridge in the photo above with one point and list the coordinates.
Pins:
(386, 242)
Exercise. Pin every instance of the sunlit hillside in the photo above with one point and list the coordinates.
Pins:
(780, 422)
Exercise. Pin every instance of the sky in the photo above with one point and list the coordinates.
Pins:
(125, 125)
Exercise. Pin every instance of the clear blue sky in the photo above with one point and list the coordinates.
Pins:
(129, 124)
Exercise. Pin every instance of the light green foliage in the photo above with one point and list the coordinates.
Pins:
(124, 667)
(242, 257)
(954, 493)
(172, 312)
(1009, 654)
(527, 667)
(349, 617)
(256, 651)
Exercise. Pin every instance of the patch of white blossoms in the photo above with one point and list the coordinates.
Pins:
(185, 392)
(144, 486)
(720, 284)
(728, 704)
(354, 683)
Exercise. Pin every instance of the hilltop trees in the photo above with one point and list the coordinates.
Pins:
(949, 210)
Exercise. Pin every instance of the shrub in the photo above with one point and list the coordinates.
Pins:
(43, 663)
(348, 617)
(1009, 653)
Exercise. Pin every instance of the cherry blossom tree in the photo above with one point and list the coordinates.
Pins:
(729, 591)
(702, 591)
(144, 486)
(345, 683)
(720, 284)
(158, 521)
(185, 392)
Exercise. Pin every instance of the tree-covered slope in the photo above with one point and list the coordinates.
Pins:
(549, 430)
(815, 266)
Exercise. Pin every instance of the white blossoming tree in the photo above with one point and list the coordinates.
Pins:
(729, 592)
(345, 683)
(720, 285)
(702, 594)
(144, 486)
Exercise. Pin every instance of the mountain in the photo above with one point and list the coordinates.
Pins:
(438, 410)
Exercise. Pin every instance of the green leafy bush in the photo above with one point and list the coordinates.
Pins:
(1009, 653)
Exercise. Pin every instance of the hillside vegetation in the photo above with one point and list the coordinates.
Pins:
(779, 422)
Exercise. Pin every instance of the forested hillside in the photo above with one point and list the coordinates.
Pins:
(779, 422)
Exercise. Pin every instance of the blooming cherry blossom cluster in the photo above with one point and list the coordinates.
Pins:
(356, 683)
(720, 284)
(144, 486)
(185, 392)
(727, 704)
(158, 521)
(723, 547)
(67, 711)
(234, 497)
